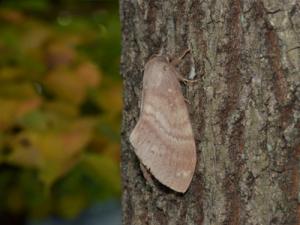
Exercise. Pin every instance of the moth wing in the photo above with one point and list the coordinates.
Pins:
(163, 138)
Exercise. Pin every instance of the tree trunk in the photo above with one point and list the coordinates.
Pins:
(245, 109)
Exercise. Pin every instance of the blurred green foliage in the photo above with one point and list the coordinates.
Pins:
(60, 99)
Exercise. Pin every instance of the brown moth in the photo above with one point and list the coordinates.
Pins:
(163, 138)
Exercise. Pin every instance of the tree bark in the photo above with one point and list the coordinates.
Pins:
(245, 109)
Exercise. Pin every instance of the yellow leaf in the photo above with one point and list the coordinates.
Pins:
(34, 37)
(24, 153)
(19, 90)
(52, 153)
(11, 110)
(28, 105)
(62, 108)
(66, 85)
(89, 74)
(52, 170)
(60, 146)
(74, 141)
(60, 53)
(37, 148)
(10, 73)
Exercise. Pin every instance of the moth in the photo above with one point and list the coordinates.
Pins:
(163, 139)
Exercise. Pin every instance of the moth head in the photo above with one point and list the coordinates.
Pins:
(157, 58)
(155, 71)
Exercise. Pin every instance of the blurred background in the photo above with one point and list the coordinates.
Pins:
(60, 112)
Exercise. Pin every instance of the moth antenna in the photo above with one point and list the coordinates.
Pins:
(176, 61)
(184, 53)
(161, 51)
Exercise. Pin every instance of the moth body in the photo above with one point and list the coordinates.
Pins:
(163, 138)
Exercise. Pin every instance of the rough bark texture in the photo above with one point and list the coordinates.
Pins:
(245, 109)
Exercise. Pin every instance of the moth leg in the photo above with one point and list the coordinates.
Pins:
(187, 81)
(176, 61)
(147, 175)
(186, 100)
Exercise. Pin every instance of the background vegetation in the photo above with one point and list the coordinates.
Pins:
(60, 99)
